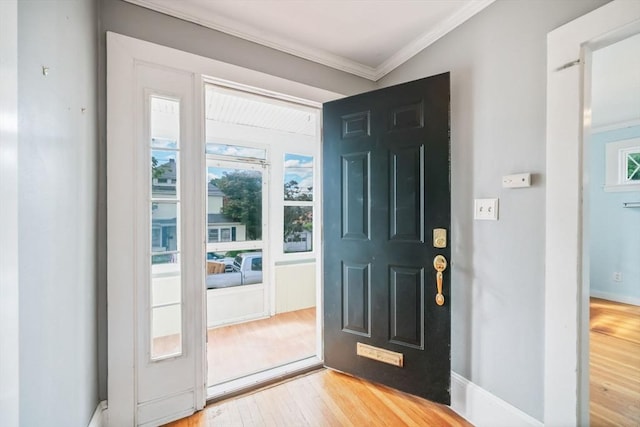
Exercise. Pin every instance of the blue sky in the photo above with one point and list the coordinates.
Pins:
(163, 156)
(298, 168)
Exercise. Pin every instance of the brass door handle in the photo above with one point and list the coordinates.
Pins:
(440, 264)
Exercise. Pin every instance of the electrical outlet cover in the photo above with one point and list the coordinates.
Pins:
(486, 209)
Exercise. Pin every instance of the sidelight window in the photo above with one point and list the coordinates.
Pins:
(165, 245)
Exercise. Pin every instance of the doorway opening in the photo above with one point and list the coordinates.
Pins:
(262, 249)
(611, 236)
(566, 296)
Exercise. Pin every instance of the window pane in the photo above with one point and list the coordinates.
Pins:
(165, 122)
(165, 291)
(234, 203)
(166, 328)
(165, 285)
(256, 264)
(226, 272)
(164, 220)
(633, 167)
(298, 177)
(298, 229)
(164, 174)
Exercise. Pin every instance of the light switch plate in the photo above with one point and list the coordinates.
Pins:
(485, 209)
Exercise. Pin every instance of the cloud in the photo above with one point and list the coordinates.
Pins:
(235, 151)
(299, 162)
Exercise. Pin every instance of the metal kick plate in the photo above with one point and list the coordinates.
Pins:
(439, 237)
(380, 354)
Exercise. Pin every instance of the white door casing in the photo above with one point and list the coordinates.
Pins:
(144, 391)
(566, 299)
(126, 58)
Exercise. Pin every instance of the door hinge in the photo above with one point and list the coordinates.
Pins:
(568, 65)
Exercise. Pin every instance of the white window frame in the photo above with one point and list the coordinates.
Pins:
(314, 204)
(624, 164)
(616, 166)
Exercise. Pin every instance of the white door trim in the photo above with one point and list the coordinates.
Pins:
(141, 390)
(124, 52)
(9, 290)
(566, 301)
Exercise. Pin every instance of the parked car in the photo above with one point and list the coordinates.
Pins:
(227, 261)
(246, 270)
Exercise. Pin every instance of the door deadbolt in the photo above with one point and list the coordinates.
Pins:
(440, 238)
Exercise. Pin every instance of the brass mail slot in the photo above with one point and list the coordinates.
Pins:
(380, 354)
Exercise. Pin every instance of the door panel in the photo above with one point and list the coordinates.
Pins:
(356, 301)
(407, 306)
(355, 196)
(386, 187)
(406, 194)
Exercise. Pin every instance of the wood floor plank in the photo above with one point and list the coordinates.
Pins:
(325, 398)
(614, 364)
(238, 350)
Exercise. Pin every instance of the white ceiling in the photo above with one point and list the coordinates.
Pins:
(368, 38)
(615, 90)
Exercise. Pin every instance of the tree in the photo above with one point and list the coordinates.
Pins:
(292, 191)
(297, 219)
(243, 199)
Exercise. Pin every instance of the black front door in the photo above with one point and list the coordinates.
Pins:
(386, 192)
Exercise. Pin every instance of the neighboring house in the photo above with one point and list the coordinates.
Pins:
(299, 242)
(163, 185)
(220, 228)
(164, 179)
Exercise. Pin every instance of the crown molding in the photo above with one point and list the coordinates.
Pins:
(428, 38)
(233, 28)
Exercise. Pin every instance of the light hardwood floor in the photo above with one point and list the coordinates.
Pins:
(324, 398)
(246, 348)
(614, 364)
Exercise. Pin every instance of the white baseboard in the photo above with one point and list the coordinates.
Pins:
(615, 297)
(468, 400)
(99, 415)
(482, 408)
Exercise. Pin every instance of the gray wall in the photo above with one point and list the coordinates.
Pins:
(614, 235)
(124, 18)
(498, 68)
(57, 211)
(134, 21)
(497, 62)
